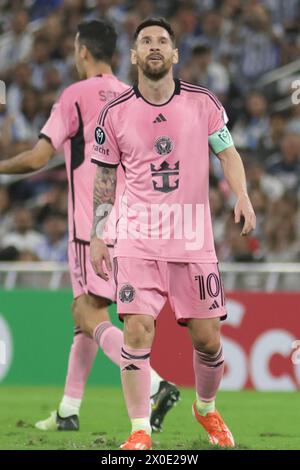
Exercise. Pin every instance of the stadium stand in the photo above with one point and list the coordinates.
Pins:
(249, 69)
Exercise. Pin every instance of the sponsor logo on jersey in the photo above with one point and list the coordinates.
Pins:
(166, 175)
(159, 118)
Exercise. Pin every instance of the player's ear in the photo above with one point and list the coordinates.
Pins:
(175, 56)
(133, 56)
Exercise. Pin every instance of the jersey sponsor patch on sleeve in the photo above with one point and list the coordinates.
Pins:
(100, 139)
(100, 135)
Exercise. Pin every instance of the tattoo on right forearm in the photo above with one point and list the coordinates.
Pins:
(104, 198)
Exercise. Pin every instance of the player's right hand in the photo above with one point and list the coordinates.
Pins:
(243, 208)
(99, 255)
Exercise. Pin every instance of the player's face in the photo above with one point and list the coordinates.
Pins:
(154, 53)
(79, 59)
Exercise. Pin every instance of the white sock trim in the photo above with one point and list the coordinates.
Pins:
(69, 406)
(205, 407)
(141, 424)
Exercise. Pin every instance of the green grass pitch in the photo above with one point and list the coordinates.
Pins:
(258, 420)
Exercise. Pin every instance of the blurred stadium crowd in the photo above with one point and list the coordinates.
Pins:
(224, 45)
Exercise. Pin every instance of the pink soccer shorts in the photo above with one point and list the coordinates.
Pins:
(83, 277)
(195, 290)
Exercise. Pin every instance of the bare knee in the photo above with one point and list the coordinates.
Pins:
(88, 311)
(138, 331)
(205, 335)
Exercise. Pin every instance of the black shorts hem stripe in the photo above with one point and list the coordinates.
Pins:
(183, 321)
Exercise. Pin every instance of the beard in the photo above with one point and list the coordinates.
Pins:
(155, 73)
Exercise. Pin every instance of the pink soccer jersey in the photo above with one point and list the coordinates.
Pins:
(165, 213)
(71, 125)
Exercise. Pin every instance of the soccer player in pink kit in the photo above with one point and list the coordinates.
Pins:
(161, 131)
(71, 125)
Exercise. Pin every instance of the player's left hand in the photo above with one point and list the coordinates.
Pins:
(243, 208)
(99, 256)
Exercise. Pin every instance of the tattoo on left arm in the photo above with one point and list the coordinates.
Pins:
(103, 198)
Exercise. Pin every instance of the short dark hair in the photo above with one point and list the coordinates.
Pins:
(155, 22)
(99, 37)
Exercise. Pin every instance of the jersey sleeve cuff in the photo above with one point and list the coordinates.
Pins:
(46, 137)
(104, 164)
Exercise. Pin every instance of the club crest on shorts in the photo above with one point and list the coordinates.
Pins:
(127, 294)
(163, 145)
(99, 135)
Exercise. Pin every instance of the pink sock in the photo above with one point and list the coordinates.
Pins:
(110, 339)
(82, 355)
(135, 375)
(208, 373)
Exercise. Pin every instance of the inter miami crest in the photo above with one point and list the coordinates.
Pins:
(99, 136)
(127, 294)
(163, 145)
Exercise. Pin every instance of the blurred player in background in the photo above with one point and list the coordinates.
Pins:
(71, 124)
(161, 131)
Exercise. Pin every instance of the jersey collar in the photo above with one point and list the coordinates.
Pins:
(176, 92)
